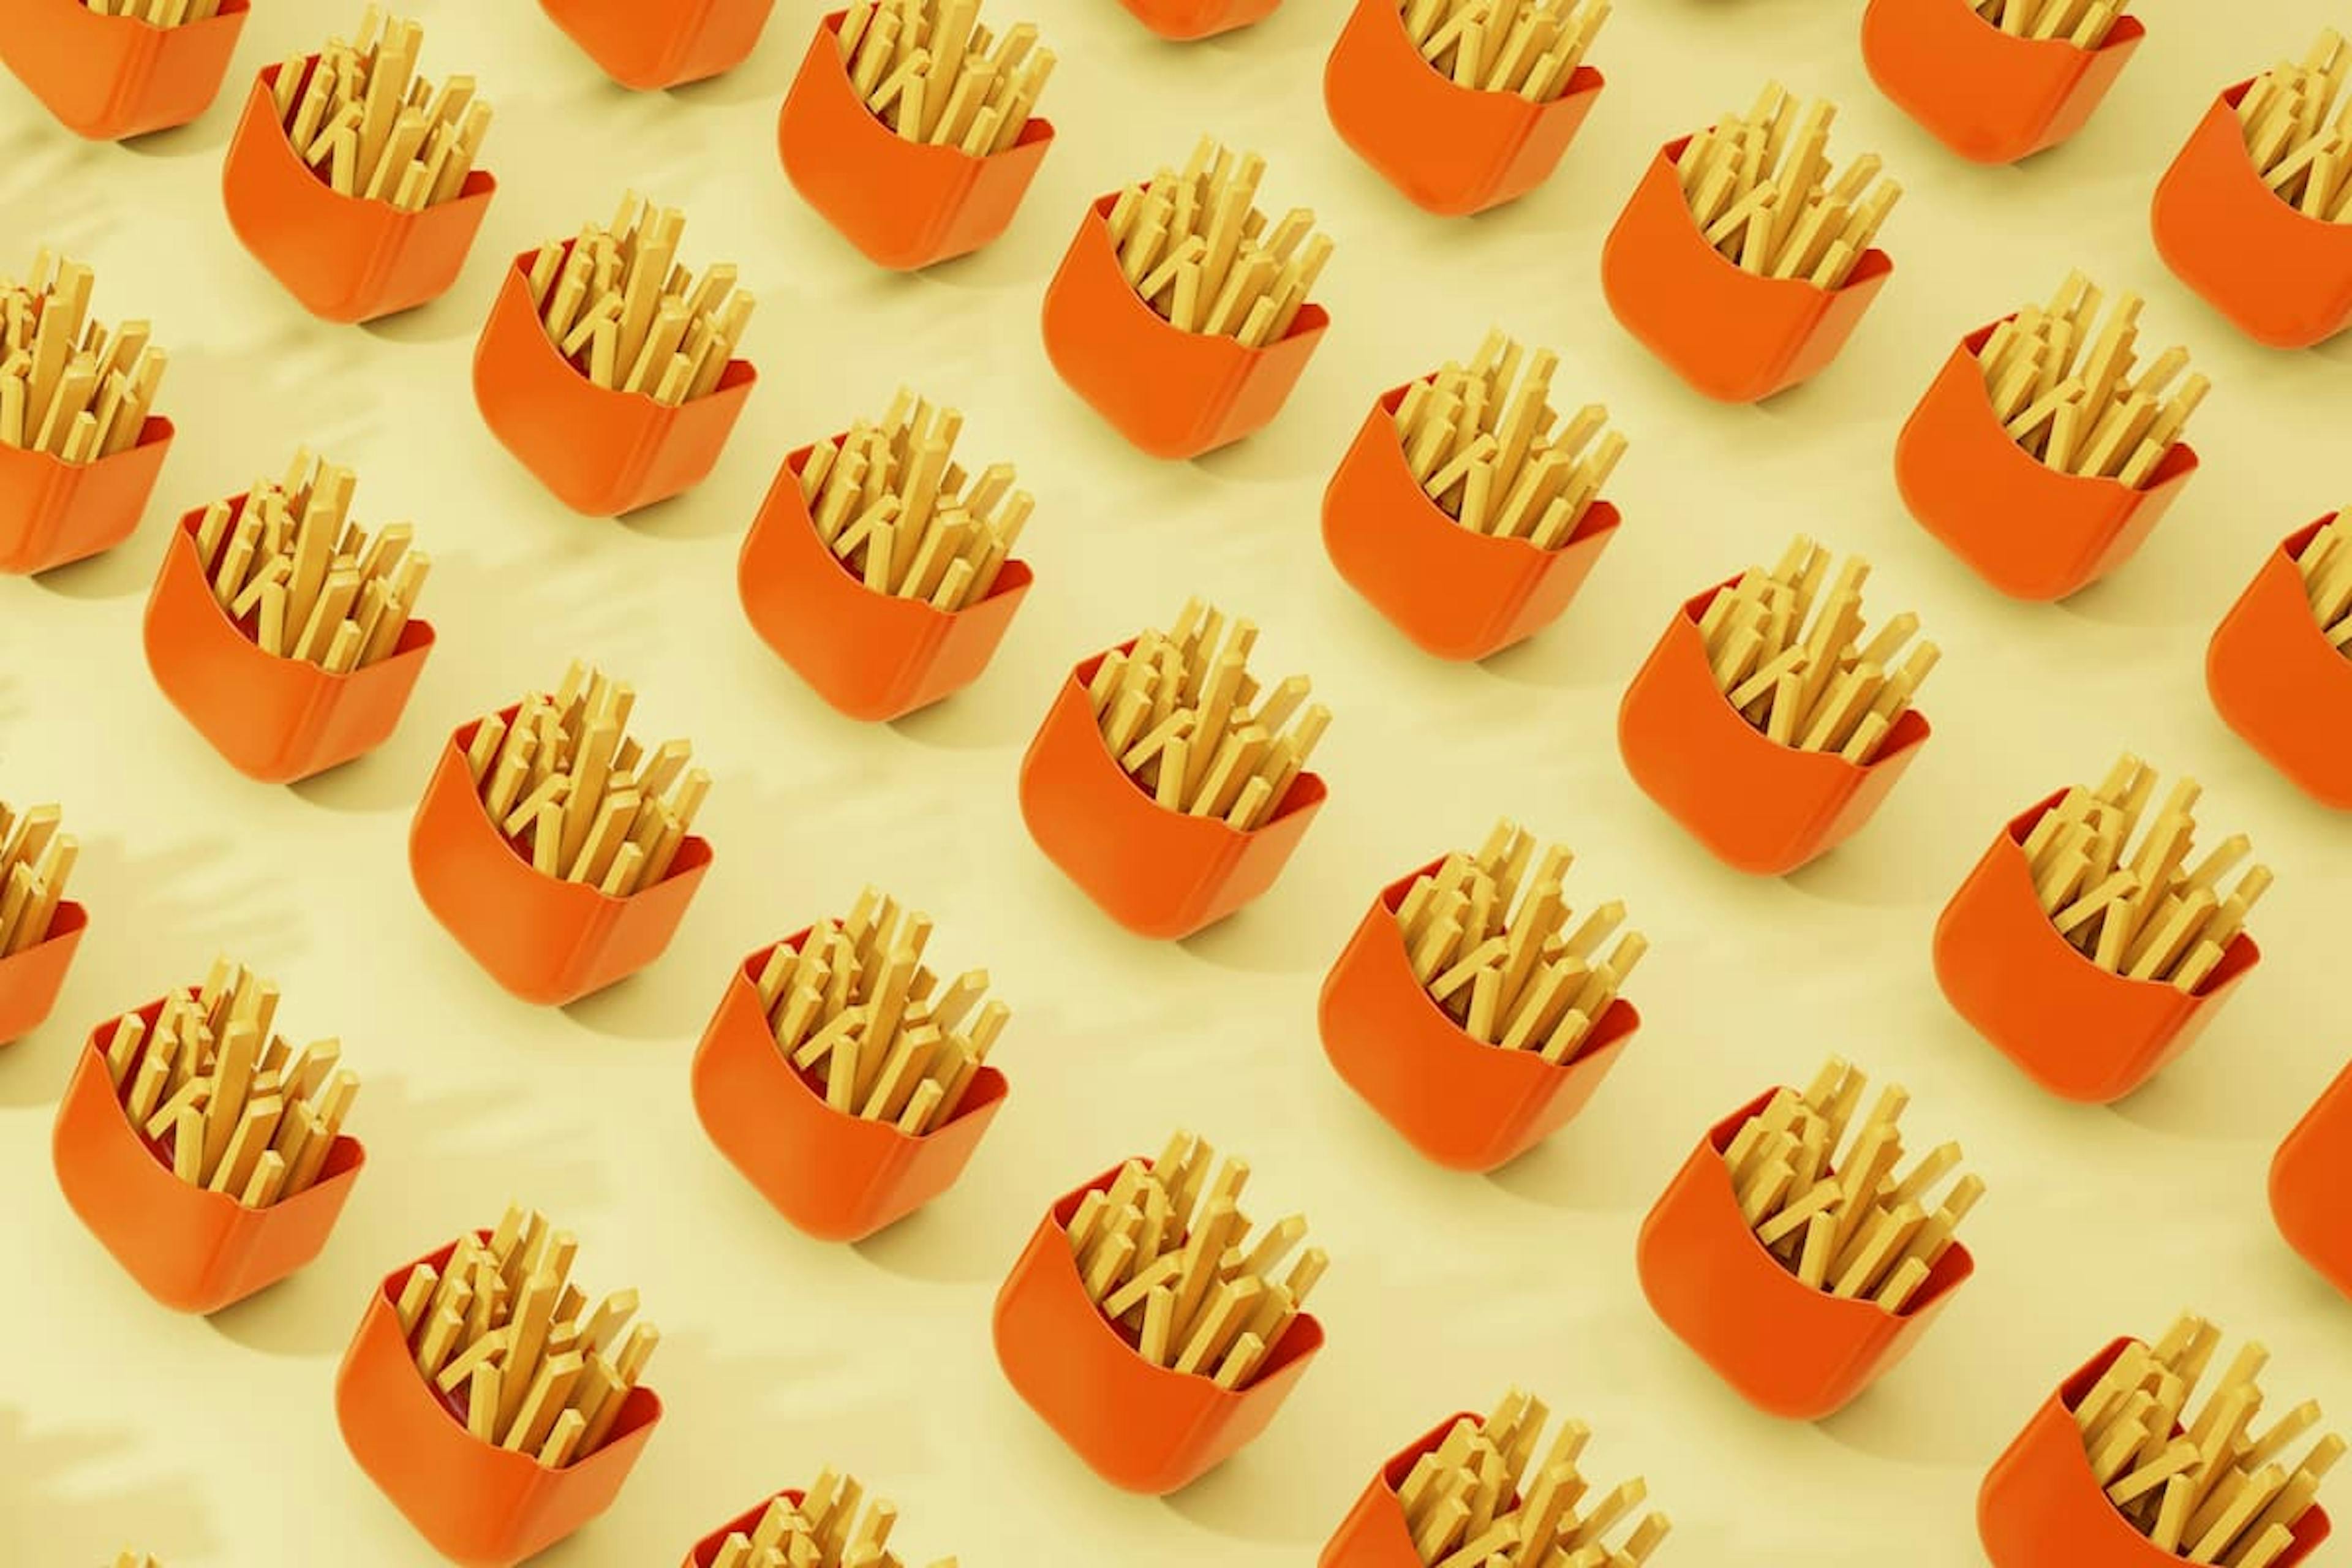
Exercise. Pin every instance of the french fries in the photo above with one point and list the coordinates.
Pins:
(513, 1346)
(932, 73)
(1759, 186)
(616, 303)
(363, 120)
(303, 580)
(2327, 567)
(1812, 684)
(1845, 1222)
(131, 1558)
(2204, 1486)
(893, 508)
(1531, 48)
(1486, 444)
(1191, 726)
(1197, 249)
(2299, 138)
(2084, 24)
(1165, 1253)
(2144, 910)
(577, 798)
(1496, 953)
(160, 14)
(36, 858)
(2065, 393)
(223, 1097)
(827, 1531)
(68, 386)
(1482, 1499)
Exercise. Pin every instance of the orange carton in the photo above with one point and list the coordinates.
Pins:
(1174, 394)
(192, 1249)
(2308, 1178)
(1375, 1534)
(53, 512)
(649, 45)
(1451, 150)
(1786, 1348)
(30, 980)
(109, 77)
(545, 940)
(871, 656)
(477, 1504)
(1989, 96)
(2279, 683)
(1142, 1427)
(705, 1551)
(1182, 21)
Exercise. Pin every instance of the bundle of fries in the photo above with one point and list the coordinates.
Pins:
(362, 119)
(1198, 250)
(618, 305)
(930, 72)
(2299, 137)
(2327, 567)
(1494, 458)
(2082, 23)
(906, 520)
(1759, 186)
(1481, 1499)
(68, 386)
(824, 1531)
(131, 1558)
(34, 861)
(1531, 48)
(158, 14)
(2066, 393)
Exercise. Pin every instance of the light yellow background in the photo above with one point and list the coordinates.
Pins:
(214, 1443)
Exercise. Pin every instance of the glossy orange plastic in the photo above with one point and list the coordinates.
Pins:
(836, 1176)
(1456, 594)
(109, 77)
(344, 258)
(1375, 1534)
(1171, 393)
(649, 45)
(276, 719)
(1142, 1427)
(2284, 279)
(30, 980)
(1987, 95)
(1756, 804)
(1451, 150)
(1159, 873)
(2308, 1179)
(904, 204)
(2278, 682)
(1732, 335)
(871, 656)
(2041, 1506)
(1465, 1104)
(2079, 1031)
(477, 1504)
(53, 512)
(706, 1551)
(1182, 21)
(193, 1250)
(546, 940)
(602, 452)
(1786, 1348)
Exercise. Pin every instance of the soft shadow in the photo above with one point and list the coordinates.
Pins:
(1910, 1414)
(1263, 939)
(1279, 454)
(653, 1004)
(965, 724)
(1287, 1489)
(82, 1521)
(208, 133)
(437, 321)
(680, 517)
(2154, 598)
(764, 77)
(1571, 655)
(995, 266)
(364, 785)
(118, 573)
(935, 1245)
(308, 1316)
(2337, 348)
(1862, 874)
(1596, 1165)
(2207, 1095)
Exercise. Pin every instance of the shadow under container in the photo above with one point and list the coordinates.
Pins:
(1159, 873)
(477, 1504)
(53, 512)
(2041, 1506)
(1376, 1533)
(905, 205)
(705, 1551)
(649, 45)
(192, 1249)
(2277, 681)
(1730, 334)
(2079, 1031)
(110, 77)
(1758, 805)
(1142, 1427)
(30, 980)
(1171, 393)
(1787, 1349)
(2029, 530)
(1463, 1103)
(871, 655)
(836, 1176)
(545, 940)
(1450, 150)
(1987, 95)
(1185, 21)
(2309, 1176)
(272, 718)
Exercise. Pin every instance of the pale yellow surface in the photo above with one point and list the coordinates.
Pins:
(214, 1443)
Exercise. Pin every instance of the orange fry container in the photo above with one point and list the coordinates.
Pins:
(1451, 150)
(192, 1249)
(1756, 804)
(1182, 21)
(477, 1504)
(649, 45)
(2276, 680)
(53, 512)
(1465, 1104)
(1987, 95)
(109, 77)
(705, 1551)
(545, 940)
(272, 718)
(1171, 393)
(2308, 1178)
(30, 980)
(2079, 1031)
(2284, 279)
(871, 656)
(1375, 1534)
(1786, 1348)
(1732, 335)
(1142, 1427)
(2041, 1506)
(2028, 529)
(904, 204)
(1456, 594)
